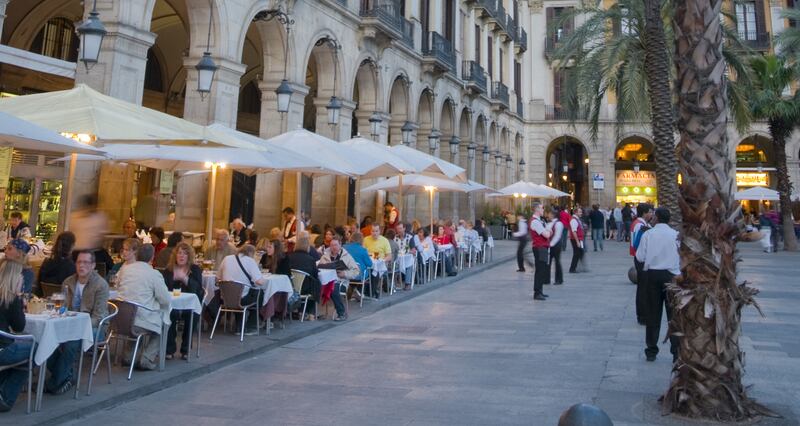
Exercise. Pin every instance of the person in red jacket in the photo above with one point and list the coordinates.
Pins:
(540, 237)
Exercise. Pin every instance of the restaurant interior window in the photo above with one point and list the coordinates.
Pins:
(153, 79)
(57, 39)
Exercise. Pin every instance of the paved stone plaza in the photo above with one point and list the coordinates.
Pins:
(480, 351)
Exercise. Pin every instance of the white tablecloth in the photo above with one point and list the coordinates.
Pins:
(378, 267)
(427, 253)
(405, 261)
(186, 302)
(327, 275)
(52, 331)
(445, 247)
(275, 283)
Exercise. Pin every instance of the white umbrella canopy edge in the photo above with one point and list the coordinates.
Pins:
(22, 134)
(381, 153)
(308, 144)
(416, 183)
(758, 194)
(427, 164)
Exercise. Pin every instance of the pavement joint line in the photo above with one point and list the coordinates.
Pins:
(195, 373)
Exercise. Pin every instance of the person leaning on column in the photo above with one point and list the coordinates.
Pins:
(658, 251)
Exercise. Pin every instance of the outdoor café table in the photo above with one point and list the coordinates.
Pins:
(327, 276)
(53, 330)
(379, 267)
(275, 283)
(405, 261)
(182, 302)
(427, 253)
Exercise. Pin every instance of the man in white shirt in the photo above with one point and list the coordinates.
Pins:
(576, 234)
(640, 225)
(557, 228)
(521, 234)
(617, 215)
(658, 252)
(242, 268)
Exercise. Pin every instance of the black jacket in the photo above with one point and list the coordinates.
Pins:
(55, 271)
(12, 318)
(597, 219)
(303, 261)
(195, 284)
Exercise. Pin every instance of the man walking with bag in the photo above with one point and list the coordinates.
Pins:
(540, 235)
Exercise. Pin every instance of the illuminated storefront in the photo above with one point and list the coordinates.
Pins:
(755, 167)
(635, 172)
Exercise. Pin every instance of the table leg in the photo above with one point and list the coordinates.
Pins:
(191, 328)
(80, 370)
(40, 387)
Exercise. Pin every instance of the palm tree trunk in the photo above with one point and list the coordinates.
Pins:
(707, 377)
(781, 131)
(661, 115)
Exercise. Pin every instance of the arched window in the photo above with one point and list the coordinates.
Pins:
(152, 73)
(57, 39)
(250, 99)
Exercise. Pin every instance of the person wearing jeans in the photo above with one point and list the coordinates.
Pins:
(12, 317)
(332, 255)
(597, 220)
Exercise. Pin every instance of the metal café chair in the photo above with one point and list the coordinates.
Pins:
(231, 301)
(123, 329)
(28, 362)
(298, 278)
(362, 283)
(49, 288)
(101, 346)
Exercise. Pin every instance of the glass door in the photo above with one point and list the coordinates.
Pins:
(49, 206)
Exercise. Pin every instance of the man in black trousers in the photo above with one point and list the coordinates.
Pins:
(521, 235)
(658, 251)
(540, 235)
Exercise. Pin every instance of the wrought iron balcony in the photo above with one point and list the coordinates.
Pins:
(552, 43)
(511, 28)
(489, 7)
(408, 32)
(520, 112)
(558, 112)
(438, 54)
(755, 40)
(475, 77)
(500, 93)
(522, 40)
(383, 19)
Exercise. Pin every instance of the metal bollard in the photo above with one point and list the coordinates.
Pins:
(584, 415)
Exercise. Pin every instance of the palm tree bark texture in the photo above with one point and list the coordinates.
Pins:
(707, 300)
(780, 130)
(657, 65)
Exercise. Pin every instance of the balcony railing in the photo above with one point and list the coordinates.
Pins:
(440, 49)
(408, 32)
(520, 111)
(755, 40)
(511, 27)
(558, 112)
(490, 6)
(473, 74)
(500, 92)
(387, 12)
(522, 39)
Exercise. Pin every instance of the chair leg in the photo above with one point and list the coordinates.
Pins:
(214, 328)
(30, 387)
(199, 335)
(80, 370)
(244, 318)
(133, 358)
(92, 369)
(303, 315)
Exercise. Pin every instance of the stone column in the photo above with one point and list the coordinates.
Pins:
(119, 73)
(277, 190)
(455, 197)
(221, 106)
(343, 132)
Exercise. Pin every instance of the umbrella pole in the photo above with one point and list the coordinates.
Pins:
(73, 162)
(400, 200)
(212, 190)
(432, 193)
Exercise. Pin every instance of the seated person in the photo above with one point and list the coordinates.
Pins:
(333, 254)
(356, 249)
(128, 254)
(302, 260)
(238, 229)
(17, 228)
(243, 269)
(129, 231)
(275, 260)
(17, 250)
(157, 238)
(85, 291)
(442, 238)
(390, 235)
(221, 248)
(424, 244)
(12, 319)
(378, 246)
(326, 240)
(141, 284)
(182, 273)
(162, 258)
(405, 244)
(59, 265)
(311, 250)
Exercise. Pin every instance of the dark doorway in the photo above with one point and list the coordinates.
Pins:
(243, 194)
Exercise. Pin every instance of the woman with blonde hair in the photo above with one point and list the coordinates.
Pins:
(181, 273)
(12, 318)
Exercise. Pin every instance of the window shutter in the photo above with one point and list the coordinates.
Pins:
(569, 25)
(557, 88)
(490, 56)
(478, 44)
(550, 18)
(761, 24)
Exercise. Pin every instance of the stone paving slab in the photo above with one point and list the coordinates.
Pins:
(482, 352)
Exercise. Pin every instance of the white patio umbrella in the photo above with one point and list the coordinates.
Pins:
(475, 187)
(338, 159)
(551, 192)
(521, 189)
(758, 193)
(21, 134)
(418, 183)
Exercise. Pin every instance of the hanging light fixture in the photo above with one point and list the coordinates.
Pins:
(509, 161)
(522, 166)
(335, 105)
(564, 165)
(486, 154)
(471, 151)
(498, 158)
(206, 68)
(433, 140)
(407, 129)
(375, 121)
(454, 142)
(284, 90)
(636, 166)
(91, 33)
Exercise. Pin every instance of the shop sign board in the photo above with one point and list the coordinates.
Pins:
(598, 181)
(641, 178)
(166, 182)
(752, 179)
(5, 166)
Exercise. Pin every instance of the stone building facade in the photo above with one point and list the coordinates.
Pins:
(475, 72)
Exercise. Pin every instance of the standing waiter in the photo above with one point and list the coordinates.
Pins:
(540, 234)
(658, 251)
(521, 235)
